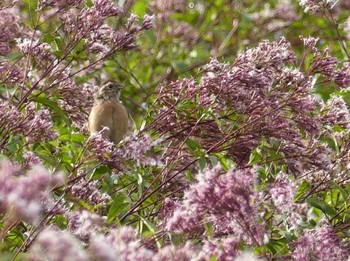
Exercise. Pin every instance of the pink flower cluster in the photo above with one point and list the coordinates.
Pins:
(320, 244)
(227, 202)
(8, 33)
(46, 66)
(122, 243)
(23, 195)
(314, 6)
(56, 244)
(35, 126)
(260, 91)
(88, 190)
(134, 147)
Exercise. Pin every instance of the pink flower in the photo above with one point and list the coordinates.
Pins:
(88, 190)
(36, 126)
(54, 244)
(223, 201)
(84, 225)
(123, 243)
(283, 192)
(25, 193)
(336, 112)
(322, 244)
(316, 5)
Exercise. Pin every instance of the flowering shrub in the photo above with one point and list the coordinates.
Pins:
(238, 144)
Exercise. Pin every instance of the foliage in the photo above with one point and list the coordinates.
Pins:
(238, 147)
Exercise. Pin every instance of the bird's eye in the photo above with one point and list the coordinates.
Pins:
(110, 86)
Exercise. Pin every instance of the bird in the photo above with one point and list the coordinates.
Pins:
(107, 111)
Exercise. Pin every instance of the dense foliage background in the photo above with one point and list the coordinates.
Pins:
(238, 147)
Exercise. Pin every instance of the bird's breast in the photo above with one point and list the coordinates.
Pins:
(109, 114)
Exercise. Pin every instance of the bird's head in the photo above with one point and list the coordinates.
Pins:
(109, 90)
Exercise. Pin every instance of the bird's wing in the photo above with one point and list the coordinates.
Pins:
(120, 122)
(101, 116)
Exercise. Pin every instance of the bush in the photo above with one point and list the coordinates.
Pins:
(238, 146)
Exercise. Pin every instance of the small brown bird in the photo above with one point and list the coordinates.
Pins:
(108, 112)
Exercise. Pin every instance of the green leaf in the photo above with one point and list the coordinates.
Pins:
(344, 192)
(305, 186)
(152, 227)
(140, 8)
(53, 105)
(209, 230)
(275, 246)
(255, 157)
(89, 3)
(180, 66)
(100, 172)
(214, 160)
(75, 137)
(189, 175)
(327, 209)
(119, 204)
(81, 203)
(48, 38)
(202, 161)
(225, 164)
(59, 44)
(195, 147)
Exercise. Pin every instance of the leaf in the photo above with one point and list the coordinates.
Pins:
(153, 228)
(143, 124)
(223, 161)
(140, 8)
(255, 157)
(202, 161)
(81, 203)
(149, 224)
(53, 106)
(89, 3)
(344, 192)
(275, 246)
(214, 160)
(209, 230)
(48, 38)
(305, 186)
(327, 209)
(100, 172)
(195, 147)
(77, 138)
(119, 204)
(189, 175)
(180, 66)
